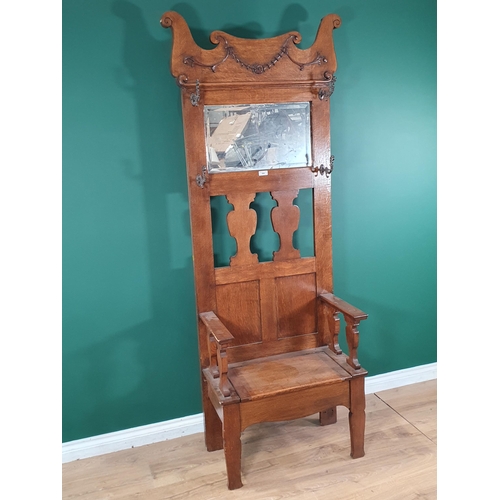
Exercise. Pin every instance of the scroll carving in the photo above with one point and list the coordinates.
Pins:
(257, 68)
(276, 58)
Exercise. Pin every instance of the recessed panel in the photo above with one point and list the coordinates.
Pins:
(238, 307)
(296, 305)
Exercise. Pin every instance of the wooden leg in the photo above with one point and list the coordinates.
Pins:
(328, 417)
(213, 424)
(231, 431)
(357, 417)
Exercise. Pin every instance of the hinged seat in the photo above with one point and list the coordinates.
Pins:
(257, 120)
(284, 373)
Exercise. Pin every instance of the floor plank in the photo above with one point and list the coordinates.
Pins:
(417, 403)
(296, 459)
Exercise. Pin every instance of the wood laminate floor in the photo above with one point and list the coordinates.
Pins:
(297, 459)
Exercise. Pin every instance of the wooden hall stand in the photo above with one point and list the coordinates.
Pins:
(256, 119)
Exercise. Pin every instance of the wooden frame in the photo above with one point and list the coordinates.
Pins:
(268, 331)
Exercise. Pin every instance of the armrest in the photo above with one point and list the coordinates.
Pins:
(216, 328)
(343, 307)
(218, 356)
(352, 316)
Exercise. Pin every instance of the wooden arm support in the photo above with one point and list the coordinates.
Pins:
(353, 316)
(218, 338)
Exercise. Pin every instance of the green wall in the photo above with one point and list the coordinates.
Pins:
(129, 342)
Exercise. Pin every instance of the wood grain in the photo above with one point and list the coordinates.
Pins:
(265, 270)
(238, 307)
(251, 60)
(242, 224)
(416, 403)
(285, 218)
(216, 327)
(342, 306)
(257, 379)
(269, 310)
(244, 182)
(288, 406)
(272, 347)
(296, 459)
(322, 200)
(296, 305)
(231, 434)
(255, 311)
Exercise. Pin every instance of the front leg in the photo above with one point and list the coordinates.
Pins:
(357, 417)
(231, 432)
(213, 425)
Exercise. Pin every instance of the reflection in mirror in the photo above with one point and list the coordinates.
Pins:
(257, 136)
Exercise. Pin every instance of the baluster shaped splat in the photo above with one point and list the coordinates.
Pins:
(242, 224)
(285, 218)
(352, 334)
(334, 324)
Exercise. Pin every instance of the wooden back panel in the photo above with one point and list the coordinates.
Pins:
(269, 307)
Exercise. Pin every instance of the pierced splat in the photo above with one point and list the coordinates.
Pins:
(242, 224)
(285, 218)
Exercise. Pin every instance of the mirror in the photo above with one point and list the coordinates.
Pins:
(257, 136)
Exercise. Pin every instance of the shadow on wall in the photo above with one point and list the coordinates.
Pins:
(291, 18)
(135, 376)
(265, 240)
(149, 372)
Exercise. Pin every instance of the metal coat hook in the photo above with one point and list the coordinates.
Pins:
(202, 178)
(325, 94)
(195, 98)
(324, 170)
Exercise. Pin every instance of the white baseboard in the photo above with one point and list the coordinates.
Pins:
(171, 429)
(399, 378)
(131, 438)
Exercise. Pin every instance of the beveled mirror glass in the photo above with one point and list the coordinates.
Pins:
(257, 136)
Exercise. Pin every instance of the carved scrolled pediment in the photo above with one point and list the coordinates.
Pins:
(234, 59)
